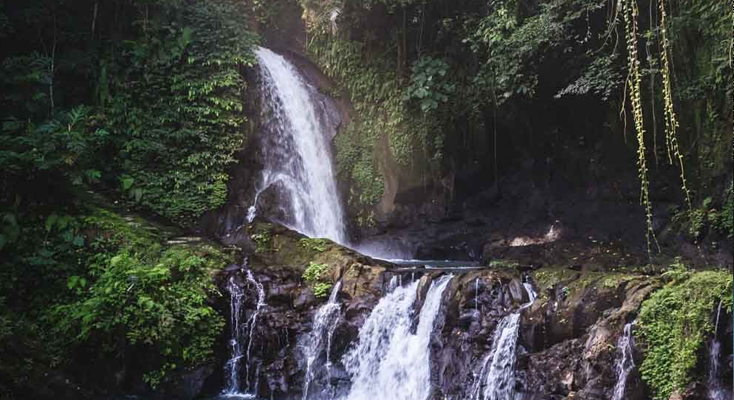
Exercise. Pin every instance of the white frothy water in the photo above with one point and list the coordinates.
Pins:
(232, 367)
(496, 379)
(252, 323)
(297, 151)
(319, 340)
(625, 363)
(390, 362)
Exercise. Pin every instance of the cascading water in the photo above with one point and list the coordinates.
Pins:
(390, 362)
(324, 324)
(499, 367)
(232, 367)
(496, 379)
(252, 323)
(476, 294)
(531, 293)
(716, 390)
(625, 363)
(297, 151)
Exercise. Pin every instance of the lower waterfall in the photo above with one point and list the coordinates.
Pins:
(390, 362)
(239, 335)
(319, 340)
(496, 378)
(625, 363)
(717, 390)
(232, 368)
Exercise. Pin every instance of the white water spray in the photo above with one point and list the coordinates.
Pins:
(297, 152)
(389, 361)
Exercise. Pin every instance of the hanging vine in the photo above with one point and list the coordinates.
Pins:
(671, 121)
(630, 13)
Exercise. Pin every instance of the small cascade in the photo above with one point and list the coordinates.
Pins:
(499, 367)
(390, 362)
(232, 367)
(625, 363)
(252, 323)
(531, 293)
(476, 294)
(324, 325)
(297, 152)
(716, 389)
(496, 378)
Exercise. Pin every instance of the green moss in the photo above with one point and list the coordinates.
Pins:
(674, 323)
(383, 128)
(548, 278)
(504, 264)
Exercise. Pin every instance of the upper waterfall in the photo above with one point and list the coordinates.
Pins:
(297, 151)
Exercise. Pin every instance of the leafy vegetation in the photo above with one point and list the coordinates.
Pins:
(317, 277)
(315, 245)
(136, 294)
(141, 101)
(675, 322)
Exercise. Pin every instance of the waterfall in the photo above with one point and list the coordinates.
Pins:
(252, 323)
(476, 294)
(716, 390)
(390, 362)
(499, 367)
(531, 293)
(496, 378)
(232, 367)
(297, 152)
(324, 325)
(625, 363)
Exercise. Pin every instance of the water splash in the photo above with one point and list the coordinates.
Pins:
(297, 151)
(390, 362)
(324, 325)
(625, 362)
